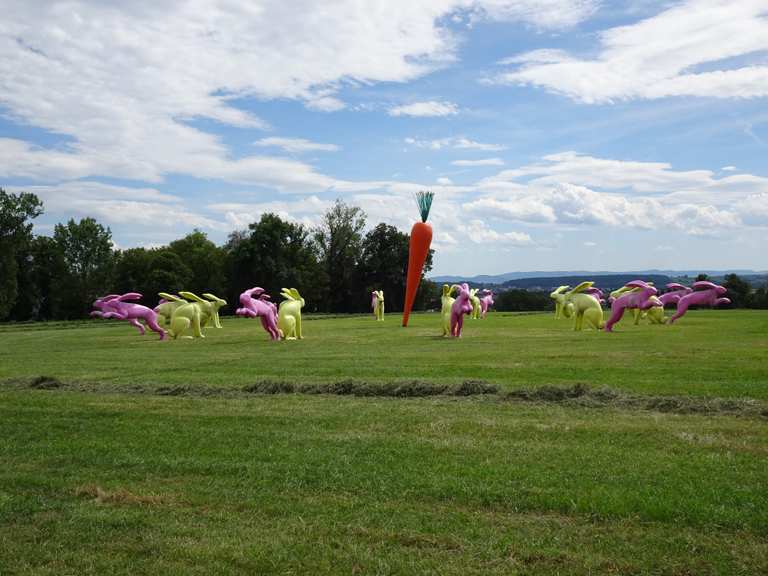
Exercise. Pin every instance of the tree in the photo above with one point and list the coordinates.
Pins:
(16, 213)
(516, 300)
(701, 277)
(738, 290)
(40, 281)
(166, 272)
(339, 240)
(759, 298)
(150, 272)
(384, 265)
(206, 261)
(274, 254)
(87, 250)
(131, 270)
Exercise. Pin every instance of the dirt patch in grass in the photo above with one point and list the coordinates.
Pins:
(45, 383)
(119, 496)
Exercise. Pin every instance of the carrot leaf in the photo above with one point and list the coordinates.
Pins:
(424, 201)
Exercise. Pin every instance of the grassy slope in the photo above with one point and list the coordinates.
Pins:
(110, 484)
(717, 353)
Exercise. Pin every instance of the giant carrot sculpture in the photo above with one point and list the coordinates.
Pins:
(421, 238)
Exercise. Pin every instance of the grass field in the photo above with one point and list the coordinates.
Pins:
(101, 473)
(717, 353)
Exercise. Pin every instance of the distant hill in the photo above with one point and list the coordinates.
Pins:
(605, 282)
(570, 275)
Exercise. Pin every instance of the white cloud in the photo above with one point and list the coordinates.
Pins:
(306, 210)
(478, 232)
(429, 108)
(444, 181)
(481, 162)
(121, 205)
(540, 13)
(459, 142)
(125, 86)
(295, 144)
(571, 204)
(325, 104)
(729, 168)
(661, 56)
(590, 244)
(626, 175)
(754, 209)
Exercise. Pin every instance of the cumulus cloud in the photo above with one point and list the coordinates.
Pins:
(689, 49)
(429, 108)
(307, 210)
(577, 189)
(572, 204)
(121, 205)
(479, 232)
(125, 88)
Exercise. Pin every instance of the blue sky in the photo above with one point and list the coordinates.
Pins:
(557, 134)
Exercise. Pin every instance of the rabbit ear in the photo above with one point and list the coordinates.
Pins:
(703, 285)
(109, 297)
(286, 293)
(169, 297)
(581, 287)
(295, 294)
(192, 297)
(129, 296)
(637, 284)
(213, 298)
(676, 286)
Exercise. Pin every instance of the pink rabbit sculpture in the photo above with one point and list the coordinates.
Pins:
(636, 298)
(596, 293)
(461, 307)
(676, 291)
(259, 307)
(119, 307)
(486, 302)
(704, 293)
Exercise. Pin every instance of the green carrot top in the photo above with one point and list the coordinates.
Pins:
(424, 200)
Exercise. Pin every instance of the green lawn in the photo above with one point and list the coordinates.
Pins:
(98, 482)
(716, 353)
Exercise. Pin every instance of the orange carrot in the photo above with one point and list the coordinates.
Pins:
(421, 238)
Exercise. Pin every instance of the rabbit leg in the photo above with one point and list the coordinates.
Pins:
(178, 326)
(137, 324)
(197, 327)
(682, 308)
(299, 335)
(155, 326)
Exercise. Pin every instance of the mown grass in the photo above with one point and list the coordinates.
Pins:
(545, 452)
(293, 484)
(719, 353)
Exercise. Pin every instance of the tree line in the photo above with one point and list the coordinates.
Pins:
(335, 265)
